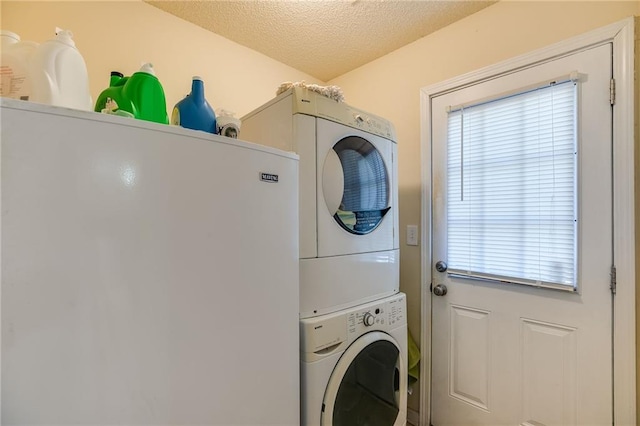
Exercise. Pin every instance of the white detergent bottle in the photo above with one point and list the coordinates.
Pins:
(14, 66)
(59, 74)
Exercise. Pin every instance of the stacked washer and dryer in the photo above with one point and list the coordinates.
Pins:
(353, 329)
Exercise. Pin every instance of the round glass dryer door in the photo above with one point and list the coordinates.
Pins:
(365, 387)
(356, 185)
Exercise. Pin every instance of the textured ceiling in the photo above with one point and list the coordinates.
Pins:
(323, 38)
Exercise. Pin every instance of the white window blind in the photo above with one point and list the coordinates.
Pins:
(511, 188)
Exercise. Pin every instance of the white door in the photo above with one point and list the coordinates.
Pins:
(509, 348)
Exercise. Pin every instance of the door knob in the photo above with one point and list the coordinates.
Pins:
(440, 290)
(441, 266)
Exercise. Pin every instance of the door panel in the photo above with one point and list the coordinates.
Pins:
(549, 387)
(507, 354)
(470, 358)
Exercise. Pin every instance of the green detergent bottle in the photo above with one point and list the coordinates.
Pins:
(140, 95)
(110, 100)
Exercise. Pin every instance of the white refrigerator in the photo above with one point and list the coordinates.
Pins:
(149, 274)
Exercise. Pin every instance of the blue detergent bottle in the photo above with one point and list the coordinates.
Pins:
(194, 112)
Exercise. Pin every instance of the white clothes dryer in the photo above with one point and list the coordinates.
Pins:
(348, 196)
(353, 366)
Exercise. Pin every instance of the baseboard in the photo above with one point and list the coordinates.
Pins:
(413, 417)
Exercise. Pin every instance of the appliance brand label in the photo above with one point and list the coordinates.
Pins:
(268, 177)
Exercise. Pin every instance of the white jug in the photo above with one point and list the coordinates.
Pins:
(59, 74)
(14, 66)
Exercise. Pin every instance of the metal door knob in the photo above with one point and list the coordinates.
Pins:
(440, 290)
(441, 266)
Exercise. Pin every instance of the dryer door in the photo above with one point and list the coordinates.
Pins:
(368, 385)
(356, 191)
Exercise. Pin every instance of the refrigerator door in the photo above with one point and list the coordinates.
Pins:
(149, 273)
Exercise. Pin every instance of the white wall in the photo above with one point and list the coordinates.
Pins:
(390, 87)
(121, 35)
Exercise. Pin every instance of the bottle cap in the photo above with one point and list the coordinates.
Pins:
(147, 68)
(65, 36)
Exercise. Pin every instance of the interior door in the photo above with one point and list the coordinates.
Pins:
(508, 353)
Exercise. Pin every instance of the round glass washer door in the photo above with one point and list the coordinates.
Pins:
(356, 185)
(365, 386)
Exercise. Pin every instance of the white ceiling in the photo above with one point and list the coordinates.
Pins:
(323, 38)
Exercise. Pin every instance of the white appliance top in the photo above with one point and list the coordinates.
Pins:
(311, 103)
(122, 121)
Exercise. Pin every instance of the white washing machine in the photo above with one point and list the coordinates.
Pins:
(348, 200)
(353, 366)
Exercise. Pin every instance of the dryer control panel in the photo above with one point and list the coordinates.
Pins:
(311, 103)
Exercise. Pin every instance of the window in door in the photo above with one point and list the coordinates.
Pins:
(512, 183)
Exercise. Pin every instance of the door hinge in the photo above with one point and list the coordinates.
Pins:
(612, 274)
(612, 91)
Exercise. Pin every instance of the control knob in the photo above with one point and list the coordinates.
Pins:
(368, 319)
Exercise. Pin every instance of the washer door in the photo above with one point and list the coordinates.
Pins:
(368, 385)
(356, 191)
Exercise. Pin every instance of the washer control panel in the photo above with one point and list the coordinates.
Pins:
(328, 334)
(368, 319)
(377, 316)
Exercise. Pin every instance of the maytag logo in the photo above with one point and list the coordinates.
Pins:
(268, 177)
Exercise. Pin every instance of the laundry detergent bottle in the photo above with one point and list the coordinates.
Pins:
(145, 94)
(140, 95)
(194, 112)
(15, 81)
(59, 74)
(110, 99)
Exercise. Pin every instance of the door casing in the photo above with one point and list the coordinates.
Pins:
(621, 34)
